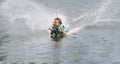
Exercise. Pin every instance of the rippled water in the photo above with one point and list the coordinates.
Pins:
(93, 37)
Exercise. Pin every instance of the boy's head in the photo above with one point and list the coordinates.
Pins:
(57, 22)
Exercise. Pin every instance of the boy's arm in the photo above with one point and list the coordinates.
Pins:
(50, 28)
(64, 29)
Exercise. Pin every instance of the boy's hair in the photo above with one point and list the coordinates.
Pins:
(60, 21)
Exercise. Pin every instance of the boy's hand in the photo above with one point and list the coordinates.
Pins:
(64, 32)
(50, 29)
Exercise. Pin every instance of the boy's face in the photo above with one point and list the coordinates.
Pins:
(56, 23)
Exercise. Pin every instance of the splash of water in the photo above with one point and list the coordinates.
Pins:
(36, 16)
(92, 17)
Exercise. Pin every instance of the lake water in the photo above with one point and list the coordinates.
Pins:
(93, 38)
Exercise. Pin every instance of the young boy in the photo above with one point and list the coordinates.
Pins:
(58, 28)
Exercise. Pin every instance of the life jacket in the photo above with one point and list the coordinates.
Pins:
(60, 28)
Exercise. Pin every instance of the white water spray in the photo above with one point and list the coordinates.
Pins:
(92, 17)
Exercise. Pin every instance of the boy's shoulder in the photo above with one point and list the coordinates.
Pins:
(62, 25)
